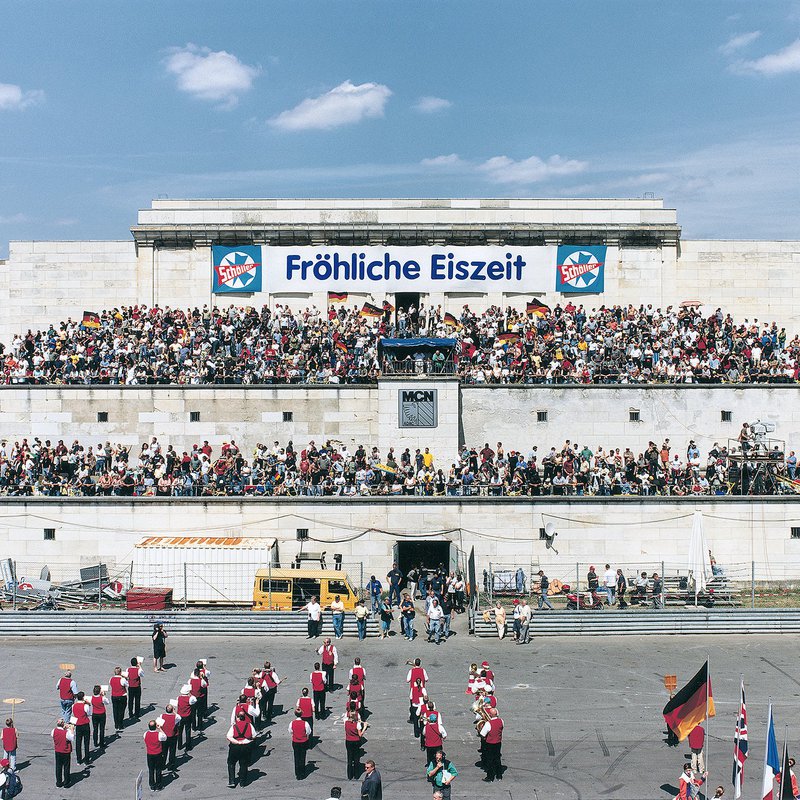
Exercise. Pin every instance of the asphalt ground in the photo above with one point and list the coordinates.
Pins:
(582, 715)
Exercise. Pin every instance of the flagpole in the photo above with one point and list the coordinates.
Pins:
(707, 738)
(784, 758)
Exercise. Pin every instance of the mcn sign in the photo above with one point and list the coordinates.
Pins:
(417, 397)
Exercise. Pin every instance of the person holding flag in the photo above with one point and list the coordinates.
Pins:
(689, 783)
(740, 746)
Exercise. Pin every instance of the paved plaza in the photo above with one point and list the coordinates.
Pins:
(582, 715)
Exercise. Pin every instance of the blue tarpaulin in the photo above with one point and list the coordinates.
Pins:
(420, 343)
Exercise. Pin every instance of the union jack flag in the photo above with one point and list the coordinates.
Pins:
(739, 749)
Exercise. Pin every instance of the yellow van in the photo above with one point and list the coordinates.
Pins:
(288, 589)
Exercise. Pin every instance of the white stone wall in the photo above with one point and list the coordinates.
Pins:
(632, 534)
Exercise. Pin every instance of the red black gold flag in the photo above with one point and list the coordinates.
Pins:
(340, 345)
(688, 707)
(387, 306)
(449, 319)
(508, 336)
(371, 311)
(337, 297)
(90, 319)
(537, 307)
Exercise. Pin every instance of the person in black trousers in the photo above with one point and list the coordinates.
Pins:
(353, 730)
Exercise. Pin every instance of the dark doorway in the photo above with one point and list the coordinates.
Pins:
(408, 302)
(427, 554)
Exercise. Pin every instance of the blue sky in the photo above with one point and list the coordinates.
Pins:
(106, 105)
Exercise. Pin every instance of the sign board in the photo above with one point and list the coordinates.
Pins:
(418, 408)
(580, 269)
(236, 270)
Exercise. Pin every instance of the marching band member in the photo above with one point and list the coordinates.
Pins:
(472, 676)
(318, 680)
(270, 681)
(492, 735)
(330, 660)
(169, 722)
(418, 699)
(187, 703)
(300, 732)
(416, 671)
(358, 671)
(99, 702)
(240, 739)
(353, 732)
(306, 706)
(154, 739)
(63, 737)
(433, 734)
(134, 677)
(119, 697)
(199, 687)
(67, 689)
(81, 721)
(246, 706)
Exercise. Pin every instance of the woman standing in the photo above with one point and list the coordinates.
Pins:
(500, 619)
(386, 617)
(159, 647)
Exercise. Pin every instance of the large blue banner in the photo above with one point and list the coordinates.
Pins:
(236, 269)
(580, 269)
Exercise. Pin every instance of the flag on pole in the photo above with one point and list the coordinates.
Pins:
(90, 319)
(691, 705)
(387, 306)
(740, 745)
(369, 310)
(772, 761)
(787, 780)
(337, 297)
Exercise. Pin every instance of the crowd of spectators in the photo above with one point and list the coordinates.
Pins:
(332, 469)
(242, 345)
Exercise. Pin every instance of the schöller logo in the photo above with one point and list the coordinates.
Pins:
(417, 408)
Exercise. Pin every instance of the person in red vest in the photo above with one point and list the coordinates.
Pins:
(418, 698)
(67, 689)
(251, 691)
(240, 739)
(119, 697)
(99, 702)
(185, 709)
(134, 677)
(689, 783)
(306, 708)
(154, 739)
(199, 687)
(492, 735)
(488, 674)
(10, 742)
(358, 672)
(434, 734)
(269, 687)
(416, 672)
(318, 680)
(63, 737)
(169, 722)
(300, 732)
(81, 718)
(330, 660)
(353, 732)
(247, 706)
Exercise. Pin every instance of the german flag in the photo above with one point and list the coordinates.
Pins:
(90, 319)
(337, 297)
(387, 306)
(340, 345)
(449, 319)
(370, 310)
(538, 308)
(508, 336)
(688, 707)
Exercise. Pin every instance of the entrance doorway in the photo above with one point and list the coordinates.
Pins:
(426, 554)
(409, 303)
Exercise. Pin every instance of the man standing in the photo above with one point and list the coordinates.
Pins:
(119, 697)
(240, 738)
(168, 722)
(81, 720)
(330, 660)
(441, 772)
(447, 613)
(337, 616)
(435, 616)
(186, 706)
(154, 739)
(314, 611)
(361, 614)
(524, 622)
(353, 730)
(544, 585)
(318, 681)
(300, 732)
(622, 587)
(697, 737)
(610, 583)
(99, 702)
(492, 735)
(375, 588)
(394, 576)
(63, 737)
(134, 689)
(407, 614)
(433, 734)
(371, 788)
(269, 688)
(67, 689)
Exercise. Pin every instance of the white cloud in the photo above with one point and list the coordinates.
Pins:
(786, 60)
(215, 76)
(345, 104)
(14, 219)
(452, 160)
(502, 169)
(430, 105)
(738, 42)
(15, 98)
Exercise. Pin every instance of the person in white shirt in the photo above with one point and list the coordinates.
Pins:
(314, 611)
(610, 583)
(435, 617)
(524, 622)
(337, 615)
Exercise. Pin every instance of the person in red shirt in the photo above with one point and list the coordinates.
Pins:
(353, 732)
(330, 660)
(433, 735)
(269, 688)
(418, 698)
(67, 689)
(10, 742)
(154, 739)
(63, 737)
(358, 671)
(318, 685)
(306, 708)
(169, 722)
(81, 719)
(240, 739)
(300, 732)
(119, 697)
(697, 737)
(492, 735)
(417, 671)
(185, 709)
(99, 702)
(199, 688)
(134, 678)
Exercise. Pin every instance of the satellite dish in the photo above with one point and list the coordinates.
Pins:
(550, 529)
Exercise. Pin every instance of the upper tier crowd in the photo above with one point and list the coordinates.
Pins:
(331, 469)
(242, 345)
